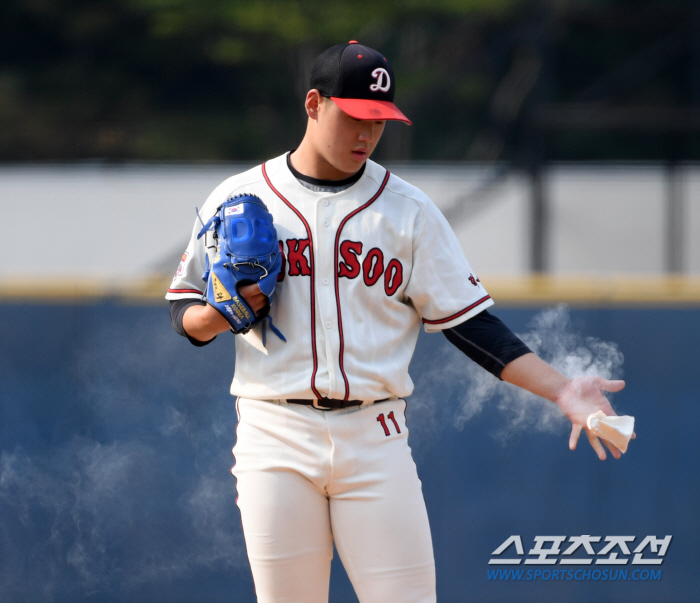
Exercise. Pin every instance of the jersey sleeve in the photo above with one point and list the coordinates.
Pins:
(187, 282)
(443, 288)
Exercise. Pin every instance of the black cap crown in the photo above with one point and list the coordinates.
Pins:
(359, 80)
(353, 71)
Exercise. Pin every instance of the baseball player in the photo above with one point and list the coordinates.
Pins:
(321, 454)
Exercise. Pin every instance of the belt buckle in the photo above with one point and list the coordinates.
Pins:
(316, 405)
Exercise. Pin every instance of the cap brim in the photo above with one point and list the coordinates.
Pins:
(363, 108)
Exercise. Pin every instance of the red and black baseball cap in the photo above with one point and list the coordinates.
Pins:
(359, 80)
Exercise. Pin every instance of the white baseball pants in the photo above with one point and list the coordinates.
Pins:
(307, 478)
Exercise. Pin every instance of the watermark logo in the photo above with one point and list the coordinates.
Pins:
(589, 550)
(541, 554)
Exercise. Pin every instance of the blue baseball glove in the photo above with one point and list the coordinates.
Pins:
(247, 252)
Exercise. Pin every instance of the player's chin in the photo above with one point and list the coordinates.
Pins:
(349, 165)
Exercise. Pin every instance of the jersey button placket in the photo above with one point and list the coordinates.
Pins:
(325, 293)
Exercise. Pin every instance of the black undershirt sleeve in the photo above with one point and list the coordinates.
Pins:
(177, 311)
(487, 341)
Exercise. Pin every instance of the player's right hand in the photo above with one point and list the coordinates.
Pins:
(254, 297)
(582, 397)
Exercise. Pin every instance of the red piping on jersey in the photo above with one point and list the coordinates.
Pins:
(335, 268)
(184, 291)
(311, 266)
(449, 318)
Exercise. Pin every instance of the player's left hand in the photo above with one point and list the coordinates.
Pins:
(582, 397)
(247, 253)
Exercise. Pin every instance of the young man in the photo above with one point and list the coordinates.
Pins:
(321, 453)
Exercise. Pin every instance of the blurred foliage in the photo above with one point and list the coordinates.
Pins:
(225, 79)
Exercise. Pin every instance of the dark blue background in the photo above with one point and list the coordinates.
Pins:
(115, 439)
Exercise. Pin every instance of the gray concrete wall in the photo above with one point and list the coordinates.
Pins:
(125, 222)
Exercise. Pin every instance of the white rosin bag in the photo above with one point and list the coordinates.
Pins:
(614, 429)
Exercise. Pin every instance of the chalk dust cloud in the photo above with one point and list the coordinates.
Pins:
(452, 390)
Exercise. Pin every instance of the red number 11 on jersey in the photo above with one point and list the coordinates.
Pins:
(382, 420)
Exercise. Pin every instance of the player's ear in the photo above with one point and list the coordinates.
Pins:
(313, 103)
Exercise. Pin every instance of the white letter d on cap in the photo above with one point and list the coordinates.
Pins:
(383, 80)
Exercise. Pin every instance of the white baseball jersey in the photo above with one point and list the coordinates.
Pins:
(362, 269)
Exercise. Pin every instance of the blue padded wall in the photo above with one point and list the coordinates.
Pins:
(115, 438)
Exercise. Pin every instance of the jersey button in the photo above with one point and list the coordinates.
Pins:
(326, 223)
(329, 324)
(326, 203)
(326, 281)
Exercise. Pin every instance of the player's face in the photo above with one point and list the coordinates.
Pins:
(343, 141)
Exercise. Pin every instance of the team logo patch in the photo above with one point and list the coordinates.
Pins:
(233, 209)
(181, 267)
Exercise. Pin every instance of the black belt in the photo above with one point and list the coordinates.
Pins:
(329, 403)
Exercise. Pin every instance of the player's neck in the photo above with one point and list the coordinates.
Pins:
(309, 162)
